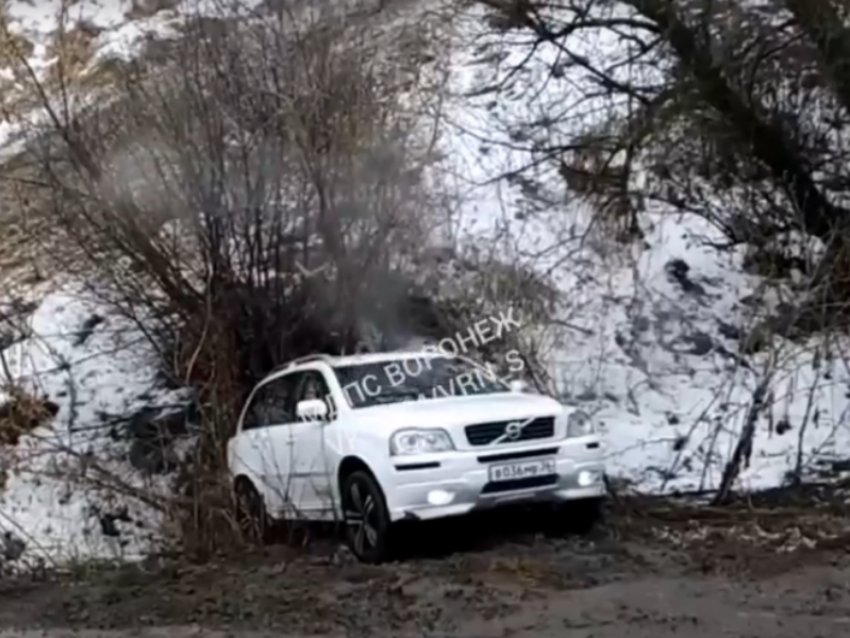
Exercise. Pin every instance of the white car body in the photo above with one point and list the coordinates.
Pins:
(296, 465)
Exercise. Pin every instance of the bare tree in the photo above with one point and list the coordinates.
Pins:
(247, 192)
(736, 112)
(719, 118)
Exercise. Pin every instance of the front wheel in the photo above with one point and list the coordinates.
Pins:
(252, 518)
(367, 520)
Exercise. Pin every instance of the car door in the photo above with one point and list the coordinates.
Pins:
(276, 442)
(249, 452)
(312, 462)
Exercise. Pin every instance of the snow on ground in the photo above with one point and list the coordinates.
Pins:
(123, 25)
(651, 347)
(96, 380)
(98, 370)
(648, 342)
(119, 30)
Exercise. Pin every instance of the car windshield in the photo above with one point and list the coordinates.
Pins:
(415, 379)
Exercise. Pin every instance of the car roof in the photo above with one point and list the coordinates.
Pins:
(309, 362)
(381, 357)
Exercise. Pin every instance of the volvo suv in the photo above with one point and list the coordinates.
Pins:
(375, 439)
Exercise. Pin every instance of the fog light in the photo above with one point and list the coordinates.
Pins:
(586, 478)
(440, 497)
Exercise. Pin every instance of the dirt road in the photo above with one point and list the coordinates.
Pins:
(763, 573)
(812, 602)
(808, 603)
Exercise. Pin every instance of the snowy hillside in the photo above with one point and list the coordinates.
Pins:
(649, 340)
(96, 371)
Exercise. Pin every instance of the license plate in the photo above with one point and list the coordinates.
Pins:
(526, 469)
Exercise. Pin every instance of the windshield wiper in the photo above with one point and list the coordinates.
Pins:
(394, 397)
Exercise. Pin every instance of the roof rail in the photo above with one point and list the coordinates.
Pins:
(307, 359)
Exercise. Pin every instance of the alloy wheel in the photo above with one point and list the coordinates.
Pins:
(251, 513)
(367, 521)
(361, 518)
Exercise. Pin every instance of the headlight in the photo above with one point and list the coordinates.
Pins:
(579, 424)
(420, 442)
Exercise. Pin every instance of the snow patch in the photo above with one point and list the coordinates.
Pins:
(98, 369)
(649, 339)
(651, 336)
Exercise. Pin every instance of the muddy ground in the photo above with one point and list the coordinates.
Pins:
(771, 567)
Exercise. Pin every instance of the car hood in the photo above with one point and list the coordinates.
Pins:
(459, 411)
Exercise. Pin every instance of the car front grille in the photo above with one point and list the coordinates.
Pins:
(486, 433)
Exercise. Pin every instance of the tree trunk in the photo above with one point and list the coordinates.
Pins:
(824, 27)
(768, 143)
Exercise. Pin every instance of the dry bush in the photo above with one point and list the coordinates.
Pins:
(252, 194)
(141, 9)
(695, 109)
(476, 286)
(12, 45)
(73, 50)
(248, 193)
(21, 413)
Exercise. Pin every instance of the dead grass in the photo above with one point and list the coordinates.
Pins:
(13, 46)
(31, 248)
(21, 414)
(109, 72)
(73, 50)
(14, 49)
(142, 9)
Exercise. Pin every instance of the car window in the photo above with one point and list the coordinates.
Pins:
(315, 386)
(273, 403)
(395, 381)
(252, 414)
(280, 402)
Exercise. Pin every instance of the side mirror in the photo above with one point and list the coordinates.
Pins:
(311, 410)
(518, 385)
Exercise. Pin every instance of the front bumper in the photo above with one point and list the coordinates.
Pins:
(456, 483)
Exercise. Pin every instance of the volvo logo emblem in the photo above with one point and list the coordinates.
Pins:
(513, 430)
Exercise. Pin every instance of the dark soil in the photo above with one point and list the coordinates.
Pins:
(784, 559)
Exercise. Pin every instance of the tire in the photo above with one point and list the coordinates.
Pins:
(251, 516)
(580, 517)
(367, 521)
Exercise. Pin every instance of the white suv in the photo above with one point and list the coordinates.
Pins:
(374, 439)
